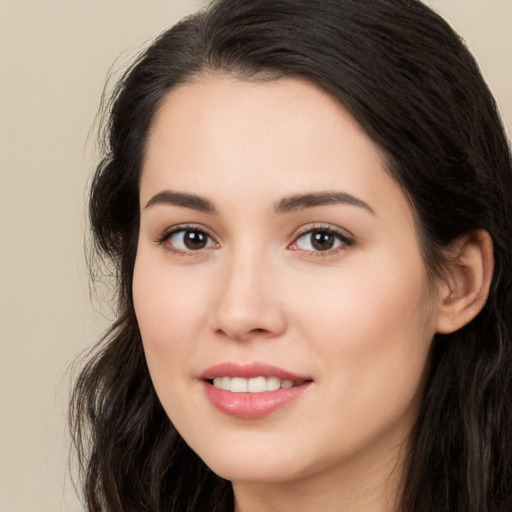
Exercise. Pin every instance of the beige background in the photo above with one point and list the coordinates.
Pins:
(54, 57)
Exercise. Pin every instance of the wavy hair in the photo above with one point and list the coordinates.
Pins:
(412, 84)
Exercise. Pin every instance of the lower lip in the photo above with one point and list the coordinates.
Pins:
(252, 405)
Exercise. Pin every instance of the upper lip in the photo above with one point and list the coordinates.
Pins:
(250, 370)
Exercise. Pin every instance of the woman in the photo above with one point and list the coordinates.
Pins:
(308, 204)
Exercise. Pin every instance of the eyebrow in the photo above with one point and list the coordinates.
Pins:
(181, 199)
(285, 205)
(310, 200)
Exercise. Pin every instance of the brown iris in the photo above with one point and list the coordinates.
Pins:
(195, 240)
(322, 240)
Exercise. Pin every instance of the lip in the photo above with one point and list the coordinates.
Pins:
(251, 405)
(250, 370)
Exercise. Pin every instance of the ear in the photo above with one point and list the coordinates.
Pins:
(464, 289)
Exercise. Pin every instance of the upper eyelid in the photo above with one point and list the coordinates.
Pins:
(188, 226)
(168, 232)
(319, 227)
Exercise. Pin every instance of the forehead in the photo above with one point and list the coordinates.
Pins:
(264, 138)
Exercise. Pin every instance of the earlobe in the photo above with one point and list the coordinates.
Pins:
(464, 290)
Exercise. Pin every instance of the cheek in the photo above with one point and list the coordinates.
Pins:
(167, 299)
(167, 307)
(386, 294)
(371, 331)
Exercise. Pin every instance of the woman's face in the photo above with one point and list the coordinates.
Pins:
(275, 251)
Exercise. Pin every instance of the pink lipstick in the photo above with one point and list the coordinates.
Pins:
(252, 390)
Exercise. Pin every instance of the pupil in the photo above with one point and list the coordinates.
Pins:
(195, 240)
(322, 240)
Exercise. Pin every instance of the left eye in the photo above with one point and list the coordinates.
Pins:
(190, 240)
(320, 240)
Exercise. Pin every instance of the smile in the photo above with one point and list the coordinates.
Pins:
(253, 390)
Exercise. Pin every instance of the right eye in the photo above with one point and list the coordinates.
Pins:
(187, 240)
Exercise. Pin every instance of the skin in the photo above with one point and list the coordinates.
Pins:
(358, 319)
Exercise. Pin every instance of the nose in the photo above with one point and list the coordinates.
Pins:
(246, 303)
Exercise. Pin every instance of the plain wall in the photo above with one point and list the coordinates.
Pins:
(54, 59)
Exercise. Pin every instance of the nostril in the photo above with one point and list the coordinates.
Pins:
(256, 332)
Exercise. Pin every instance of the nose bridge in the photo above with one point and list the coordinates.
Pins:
(246, 303)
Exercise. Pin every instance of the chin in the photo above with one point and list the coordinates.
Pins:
(237, 471)
(251, 463)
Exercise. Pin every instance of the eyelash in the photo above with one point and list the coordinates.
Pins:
(167, 234)
(343, 239)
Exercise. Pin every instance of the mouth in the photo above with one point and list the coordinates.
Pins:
(251, 391)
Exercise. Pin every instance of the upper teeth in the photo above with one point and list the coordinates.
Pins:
(254, 385)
